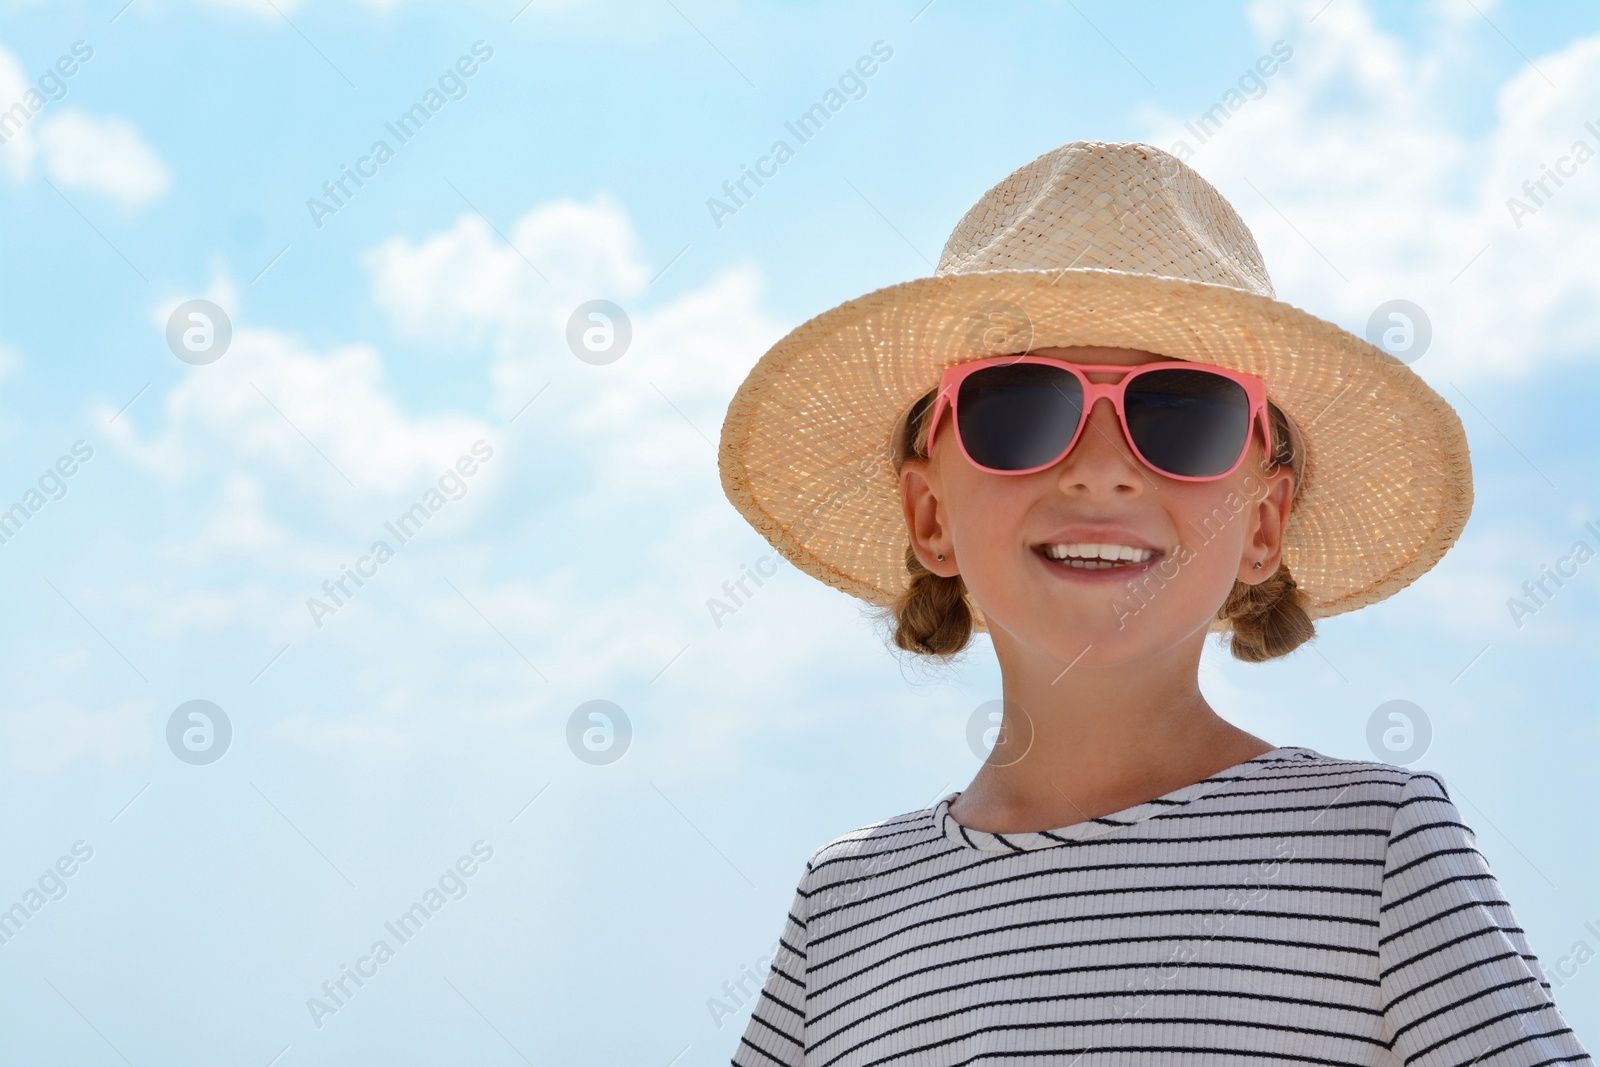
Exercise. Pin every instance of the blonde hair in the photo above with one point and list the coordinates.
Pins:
(933, 617)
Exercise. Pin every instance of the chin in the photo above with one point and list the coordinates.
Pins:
(1067, 632)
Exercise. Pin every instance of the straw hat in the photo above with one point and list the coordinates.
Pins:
(1120, 245)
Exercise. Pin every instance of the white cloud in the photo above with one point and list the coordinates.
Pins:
(468, 278)
(272, 404)
(365, 732)
(102, 155)
(1357, 143)
(653, 414)
(16, 155)
(1481, 576)
(52, 733)
(240, 521)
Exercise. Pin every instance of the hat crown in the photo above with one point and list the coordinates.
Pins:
(1122, 207)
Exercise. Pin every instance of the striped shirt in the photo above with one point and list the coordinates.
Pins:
(1294, 908)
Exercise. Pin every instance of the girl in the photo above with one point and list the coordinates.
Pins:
(1095, 435)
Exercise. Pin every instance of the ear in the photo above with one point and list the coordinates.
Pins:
(1269, 519)
(924, 515)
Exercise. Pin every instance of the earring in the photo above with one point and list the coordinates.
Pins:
(1258, 565)
(941, 555)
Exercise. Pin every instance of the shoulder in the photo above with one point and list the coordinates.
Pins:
(1353, 799)
(1360, 779)
(1406, 813)
(872, 849)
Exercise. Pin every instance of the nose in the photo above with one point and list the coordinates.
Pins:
(1101, 462)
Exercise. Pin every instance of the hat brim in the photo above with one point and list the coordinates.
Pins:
(805, 453)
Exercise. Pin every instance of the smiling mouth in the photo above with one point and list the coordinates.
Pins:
(1097, 557)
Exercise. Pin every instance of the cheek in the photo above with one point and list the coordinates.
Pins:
(981, 516)
(986, 513)
(1212, 524)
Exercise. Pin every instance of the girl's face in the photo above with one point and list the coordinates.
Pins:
(998, 533)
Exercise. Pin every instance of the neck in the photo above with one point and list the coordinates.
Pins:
(1089, 739)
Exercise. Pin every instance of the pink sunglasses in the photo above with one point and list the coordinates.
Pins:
(1019, 414)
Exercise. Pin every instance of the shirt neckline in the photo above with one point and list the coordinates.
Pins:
(1031, 840)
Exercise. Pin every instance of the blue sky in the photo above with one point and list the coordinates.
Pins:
(375, 747)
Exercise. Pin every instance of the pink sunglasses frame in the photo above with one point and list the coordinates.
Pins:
(950, 390)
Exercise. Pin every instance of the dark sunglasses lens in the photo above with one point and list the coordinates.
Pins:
(1017, 416)
(1191, 423)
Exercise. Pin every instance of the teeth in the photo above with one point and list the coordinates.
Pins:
(1096, 556)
